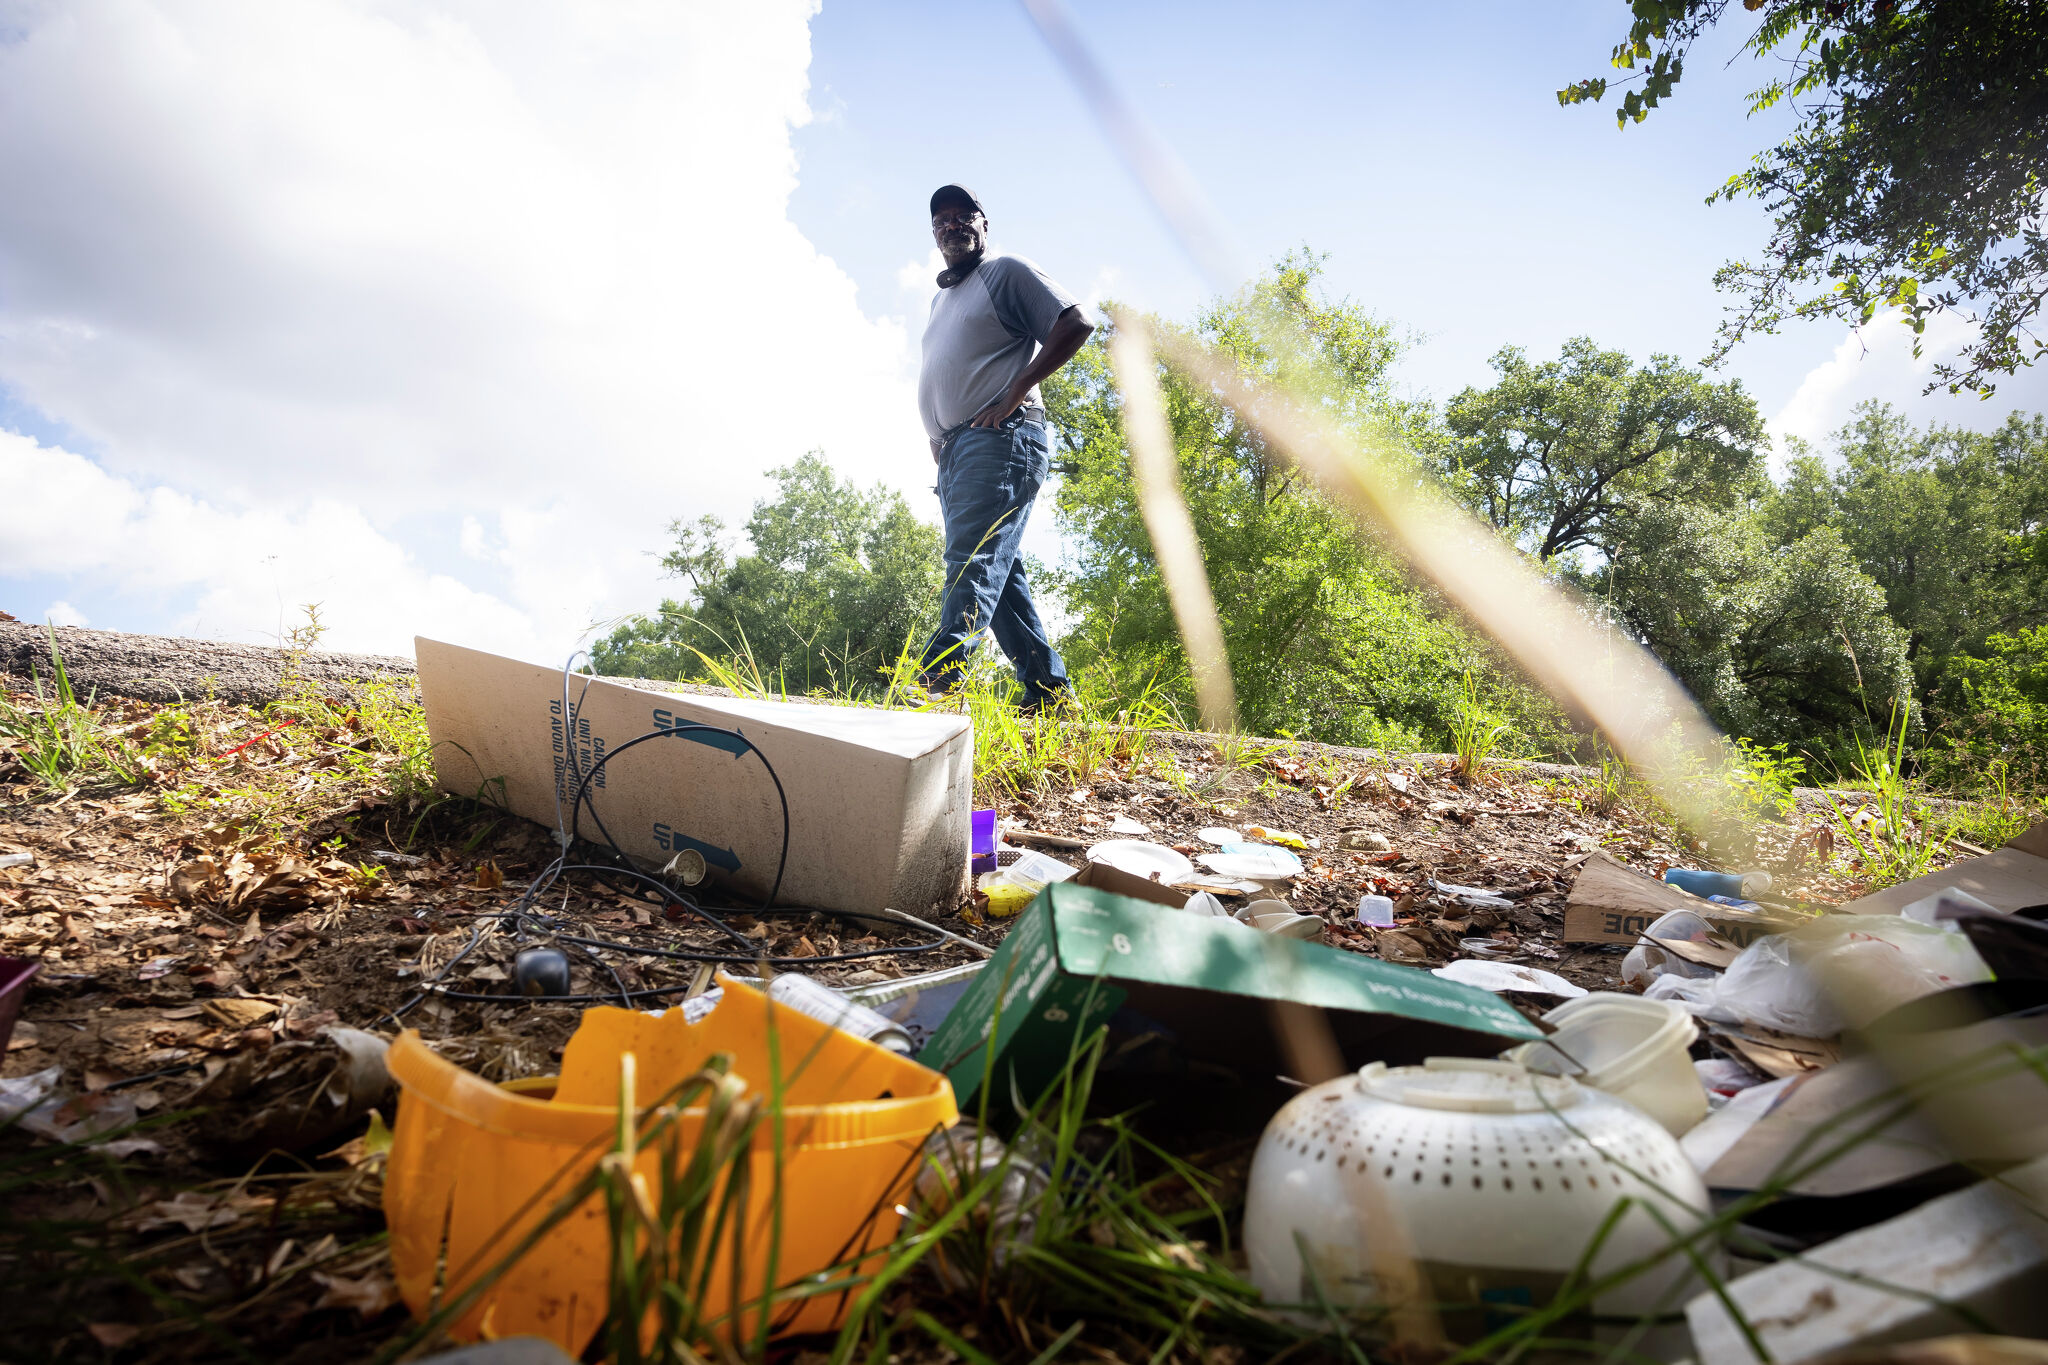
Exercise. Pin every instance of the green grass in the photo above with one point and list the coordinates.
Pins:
(1080, 1236)
(61, 742)
(1476, 732)
(1016, 754)
(1905, 839)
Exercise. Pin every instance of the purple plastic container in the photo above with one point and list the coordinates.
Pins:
(982, 847)
(14, 975)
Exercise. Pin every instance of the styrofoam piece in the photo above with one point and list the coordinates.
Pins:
(1124, 824)
(1155, 862)
(1219, 836)
(1385, 1168)
(1984, 1249)
(1507, 976)
(1255, 862)
(1278, 917)
(1629, 1047)
(1204, 904)
(1709, 1140)
(879, 800)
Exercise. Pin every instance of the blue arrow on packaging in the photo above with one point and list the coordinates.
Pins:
(734, 743)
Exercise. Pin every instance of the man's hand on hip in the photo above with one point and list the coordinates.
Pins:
(1000, 411)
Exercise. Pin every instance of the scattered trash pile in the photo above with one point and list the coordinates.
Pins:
(1435, 1157)
(1789, 1133)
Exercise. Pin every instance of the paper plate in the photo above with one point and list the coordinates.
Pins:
(1219, 836)
(1287, 925)
(1142, 859)
(1260, 862)
(1506, 976)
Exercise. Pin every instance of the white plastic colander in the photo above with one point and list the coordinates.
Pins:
(1490, 1180)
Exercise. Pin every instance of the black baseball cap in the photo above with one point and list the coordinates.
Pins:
(949, 194)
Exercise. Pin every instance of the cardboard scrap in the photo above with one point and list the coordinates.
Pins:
(1611, 902)
(1979, 1249)
(1118, 882)
(1189, 1001)
(1972, 1100)
(879, 801)
(2012, 877)
(1776, 1054)
(1714, 951)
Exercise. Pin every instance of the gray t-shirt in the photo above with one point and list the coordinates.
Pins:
(982, 334)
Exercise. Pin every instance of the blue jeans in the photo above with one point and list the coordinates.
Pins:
(988, 477)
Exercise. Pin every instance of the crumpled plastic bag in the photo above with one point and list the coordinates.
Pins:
(34, 1102)
(1648, 961)
(1840, 971)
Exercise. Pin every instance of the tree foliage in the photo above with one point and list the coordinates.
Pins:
(837, 583)
(1994, 704)
(1912, 179)
(1948, 522)
(1777, 642)
(1327, 636)
(1563, 454)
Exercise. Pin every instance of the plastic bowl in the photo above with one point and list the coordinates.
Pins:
(1628, 1047)
(474, 1165)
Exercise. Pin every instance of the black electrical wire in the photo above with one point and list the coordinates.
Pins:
(683, 728)
(559, 999)
(567, 833)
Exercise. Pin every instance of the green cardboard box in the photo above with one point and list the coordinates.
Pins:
(1188, 999)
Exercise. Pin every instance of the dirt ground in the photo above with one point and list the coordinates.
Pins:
(176, 955)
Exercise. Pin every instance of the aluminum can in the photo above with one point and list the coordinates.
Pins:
(820, 1001)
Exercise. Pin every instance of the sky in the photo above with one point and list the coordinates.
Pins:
(437, 312)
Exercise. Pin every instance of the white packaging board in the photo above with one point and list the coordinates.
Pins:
(878, 800)
(2011, 877)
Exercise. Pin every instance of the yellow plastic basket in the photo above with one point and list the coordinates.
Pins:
(474, 1165)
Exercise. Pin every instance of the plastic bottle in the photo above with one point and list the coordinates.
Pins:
(820, 1001)
(959, 1159)
(1742, 885)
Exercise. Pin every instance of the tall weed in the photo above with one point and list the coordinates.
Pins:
(1893, 835)
(1475, 731)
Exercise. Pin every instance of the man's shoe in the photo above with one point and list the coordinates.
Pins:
(1046, 703)
(931, 693)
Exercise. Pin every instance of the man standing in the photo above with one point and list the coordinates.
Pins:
(998, 326)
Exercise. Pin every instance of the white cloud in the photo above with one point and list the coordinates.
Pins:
(1878, 363)
(62, 613)
(347, 269)
(246, 574)
(916, 282)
